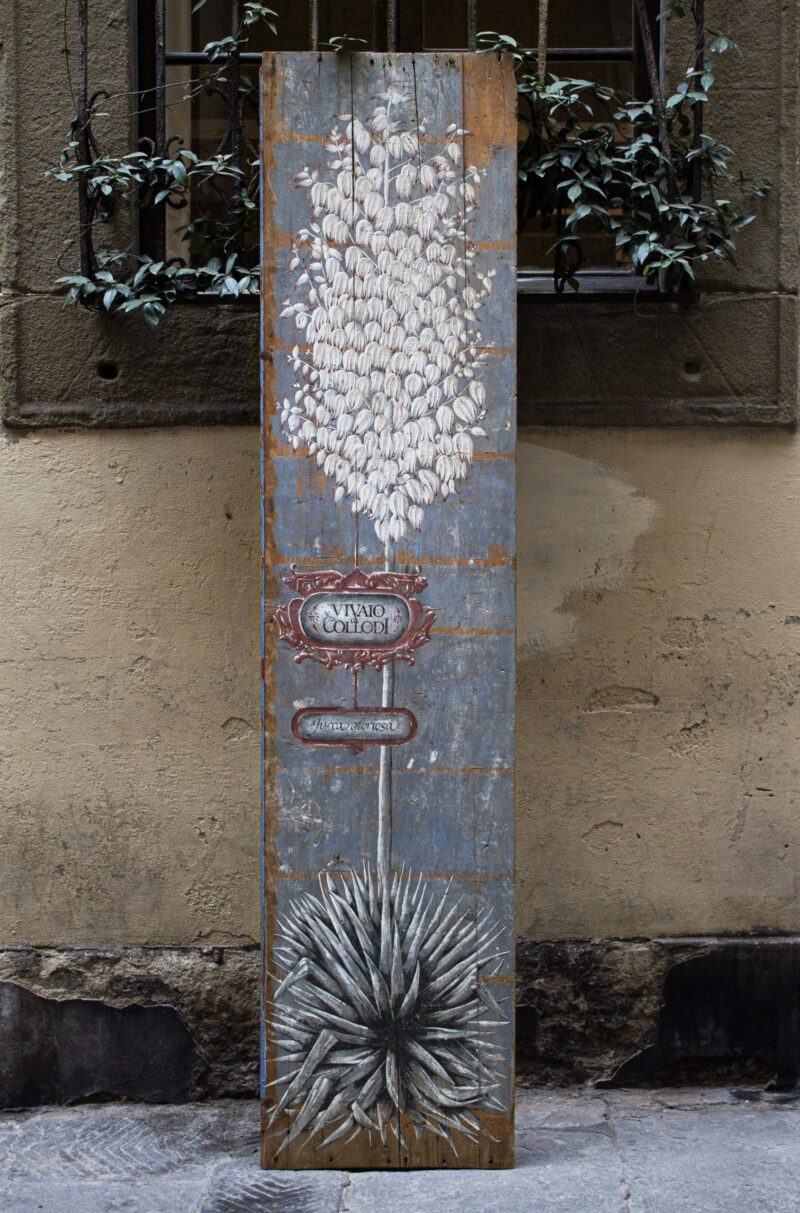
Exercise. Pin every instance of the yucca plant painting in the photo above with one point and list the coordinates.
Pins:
(388, 1000)
(388, 394)
(382, 1011)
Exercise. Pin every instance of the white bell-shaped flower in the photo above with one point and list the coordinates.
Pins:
(387, 383)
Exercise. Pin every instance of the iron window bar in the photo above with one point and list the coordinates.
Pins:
(398, 24)
(189, 58)
(563, 54)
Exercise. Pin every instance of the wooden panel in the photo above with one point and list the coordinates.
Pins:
(389, 434)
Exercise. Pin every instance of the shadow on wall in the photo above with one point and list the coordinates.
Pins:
(69, 1050)
(602, 514)
(738, 1002)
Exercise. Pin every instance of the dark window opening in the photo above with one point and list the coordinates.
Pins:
(188, 98)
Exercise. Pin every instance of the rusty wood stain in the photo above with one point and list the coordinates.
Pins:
(489, 114)
(270, 83)
(285, 452)
(495, 560)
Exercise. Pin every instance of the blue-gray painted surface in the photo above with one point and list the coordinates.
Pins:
(452, 786)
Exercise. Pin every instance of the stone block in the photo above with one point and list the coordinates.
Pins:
(75, 367)
(718, 1160)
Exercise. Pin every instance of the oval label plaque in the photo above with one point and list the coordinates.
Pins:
(355, 619)
(354, 727)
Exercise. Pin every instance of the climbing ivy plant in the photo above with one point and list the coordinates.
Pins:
(220, 238)
(645, 172)
(123, 281)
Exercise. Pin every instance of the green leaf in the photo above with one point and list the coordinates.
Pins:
(574, 167)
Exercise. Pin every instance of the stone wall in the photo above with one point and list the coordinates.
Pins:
(659, 612)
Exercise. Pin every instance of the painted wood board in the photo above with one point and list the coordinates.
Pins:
(389, 404)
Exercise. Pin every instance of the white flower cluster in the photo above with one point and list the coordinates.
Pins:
(387, 390)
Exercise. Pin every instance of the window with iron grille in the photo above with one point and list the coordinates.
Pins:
(192, 94)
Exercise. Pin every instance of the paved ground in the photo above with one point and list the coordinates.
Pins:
(578, 1152)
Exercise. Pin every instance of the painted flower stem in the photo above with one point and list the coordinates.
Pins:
(384, 858)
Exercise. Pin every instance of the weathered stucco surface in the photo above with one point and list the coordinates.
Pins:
(128, 687)
(659, 729)
(659, 667)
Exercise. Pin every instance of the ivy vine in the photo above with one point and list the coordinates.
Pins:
(646, 173)
(221, 238)
(593, 160)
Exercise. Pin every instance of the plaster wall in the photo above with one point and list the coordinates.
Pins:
(129, 752)
(659, 672)
(659, 596)
(659, 580)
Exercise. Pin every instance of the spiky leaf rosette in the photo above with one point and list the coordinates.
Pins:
(382, 1010)
(387, 382)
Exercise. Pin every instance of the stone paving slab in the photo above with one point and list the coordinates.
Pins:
(571, 1171)
(578, 1151)
(714, 1160)
(571, 1108)
(108, 1196)
(125, 1141)
(239, 1188)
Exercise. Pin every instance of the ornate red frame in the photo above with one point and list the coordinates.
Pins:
(401, 585)
(355, 746)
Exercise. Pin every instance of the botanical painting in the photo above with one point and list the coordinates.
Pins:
(380, 1003)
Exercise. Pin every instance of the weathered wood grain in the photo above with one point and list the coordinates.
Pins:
(447, 794)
